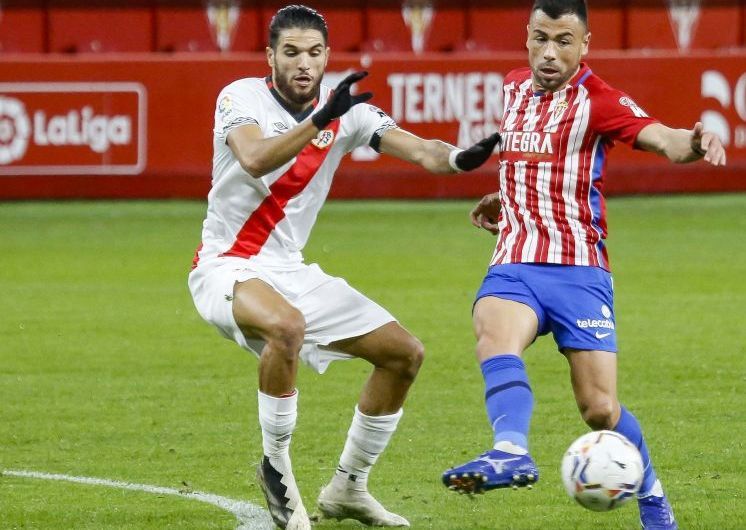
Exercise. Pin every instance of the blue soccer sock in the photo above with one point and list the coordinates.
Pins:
(508, 398)
(630, 427)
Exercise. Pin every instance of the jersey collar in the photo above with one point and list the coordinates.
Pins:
(298, 116)
(578, 79)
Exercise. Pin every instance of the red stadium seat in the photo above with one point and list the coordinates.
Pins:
(99, 26)
(497, 26)
(502, 26)
(419, 26)
(344, 19)
(22, 26)
(196, 27)
(606, 20)
(345, 22)
(656, 25)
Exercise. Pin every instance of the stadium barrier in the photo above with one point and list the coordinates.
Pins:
(116, 126)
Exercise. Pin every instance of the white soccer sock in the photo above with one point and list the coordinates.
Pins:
(655, 491)
(277, 418)
(367, 438)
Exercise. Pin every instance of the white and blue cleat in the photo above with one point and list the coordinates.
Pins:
(655, 511)
(491, 470)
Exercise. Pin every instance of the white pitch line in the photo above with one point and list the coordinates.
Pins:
(250, 516)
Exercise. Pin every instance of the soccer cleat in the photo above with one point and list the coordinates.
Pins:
(491, 470)
(283, 498)
(339, 502)
(655, 511)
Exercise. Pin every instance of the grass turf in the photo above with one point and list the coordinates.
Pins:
(107, 371)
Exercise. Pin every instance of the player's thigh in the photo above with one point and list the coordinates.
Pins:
(213, 289)
(503, 326)
(507, 315)
(386, 345)
(261, 312)
(593, 374)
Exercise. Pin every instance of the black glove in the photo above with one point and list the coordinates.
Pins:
(340, 101)
(477, 154)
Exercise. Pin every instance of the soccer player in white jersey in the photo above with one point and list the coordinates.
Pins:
(277, 143)
(550, 270)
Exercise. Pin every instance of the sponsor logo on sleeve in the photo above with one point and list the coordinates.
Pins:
(378, 111)
(225, 106)
(636, 110)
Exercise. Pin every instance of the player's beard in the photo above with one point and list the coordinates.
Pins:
(295, 98)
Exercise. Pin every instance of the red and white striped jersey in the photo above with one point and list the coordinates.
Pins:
(269, 219)
(552, 168)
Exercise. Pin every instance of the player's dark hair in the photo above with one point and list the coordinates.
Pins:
(296, 16)
(557, 8)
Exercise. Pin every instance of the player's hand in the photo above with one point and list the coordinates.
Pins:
(477, 154)
(708, 145)
(486, 212)
(340, 101)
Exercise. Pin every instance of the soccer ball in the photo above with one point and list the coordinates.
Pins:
(602, 470)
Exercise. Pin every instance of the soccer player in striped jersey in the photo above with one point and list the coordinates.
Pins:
(550, 269)
(277, 143)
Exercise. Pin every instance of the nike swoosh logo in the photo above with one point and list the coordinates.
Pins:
(602, 335)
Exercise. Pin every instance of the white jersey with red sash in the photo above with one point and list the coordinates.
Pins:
(269, 219)
(553, 165)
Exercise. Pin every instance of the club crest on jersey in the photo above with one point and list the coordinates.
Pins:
(560, 109)
(324, 139)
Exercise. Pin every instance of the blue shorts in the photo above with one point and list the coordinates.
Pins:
(575, 303)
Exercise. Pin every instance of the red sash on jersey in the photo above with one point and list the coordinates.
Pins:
(257, 228)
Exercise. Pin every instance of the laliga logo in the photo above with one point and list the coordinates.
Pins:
(74, 128)
(15, 130)
(82, 128)
(716, 86)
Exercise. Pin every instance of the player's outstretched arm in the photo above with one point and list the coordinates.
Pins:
(258, 155)
(437, 156)
(682, 145)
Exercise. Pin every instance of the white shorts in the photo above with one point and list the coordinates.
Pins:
(332, 309)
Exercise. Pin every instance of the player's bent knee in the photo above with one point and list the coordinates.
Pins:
(283, 331)
(287, 335)
(408, 364)
(599, 414)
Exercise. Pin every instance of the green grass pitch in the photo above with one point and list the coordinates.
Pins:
(107, 371)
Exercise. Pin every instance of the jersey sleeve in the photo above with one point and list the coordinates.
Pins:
(616, 116)
(370, 124)
(234, 109)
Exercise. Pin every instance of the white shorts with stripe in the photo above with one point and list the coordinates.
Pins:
(333, 310)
